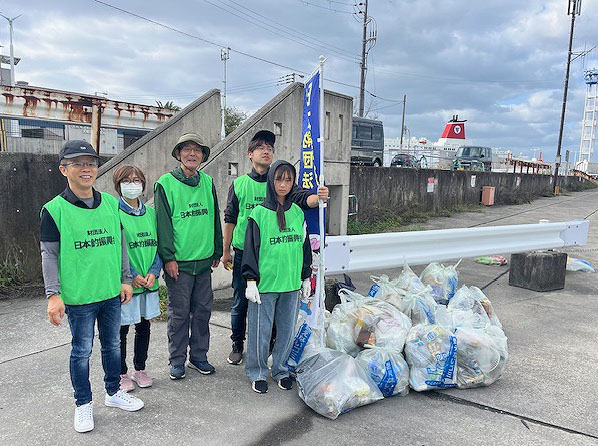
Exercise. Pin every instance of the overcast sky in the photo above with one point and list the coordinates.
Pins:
(498, 64)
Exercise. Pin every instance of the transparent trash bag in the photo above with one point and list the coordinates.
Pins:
(386, 290)
(332, 383)
(339, 334)
(470, 307)
(431, 352)
(418, 304)
(579, 265)
(481, 356)
(307, 342)
(442, 279)
(387, 368)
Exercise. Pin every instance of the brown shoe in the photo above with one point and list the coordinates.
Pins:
(236, 356)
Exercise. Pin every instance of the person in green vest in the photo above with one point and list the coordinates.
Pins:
(190, 245)
(139, 224)
(244, 194)
(86, 275)
(277, 266)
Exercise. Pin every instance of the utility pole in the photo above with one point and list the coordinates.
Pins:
(12, 53)
(364, 53)
(224, 56)
(574, 9)
(403, 122)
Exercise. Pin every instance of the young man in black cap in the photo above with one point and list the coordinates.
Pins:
(86, 275)
(190, 245)
(245, 193)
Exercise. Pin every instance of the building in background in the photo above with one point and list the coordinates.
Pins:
(40, 120)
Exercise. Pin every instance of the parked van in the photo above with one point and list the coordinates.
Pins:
(367, 142)
(473, 158)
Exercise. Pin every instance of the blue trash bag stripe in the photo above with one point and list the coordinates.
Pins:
(301, 340)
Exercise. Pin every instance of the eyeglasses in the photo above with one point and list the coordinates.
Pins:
(79, 165)
(136, 181)
(265, 148)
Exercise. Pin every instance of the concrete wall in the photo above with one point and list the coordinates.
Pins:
(152, 152)
(33, 145)
(283, 115)
(396, 187)
(27, 182)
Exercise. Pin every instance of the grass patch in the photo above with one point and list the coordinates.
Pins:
(11, 270)
(578, 186)
(163, 293)
(378, 220)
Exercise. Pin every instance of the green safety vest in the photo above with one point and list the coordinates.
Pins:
(142, 242)
(90, 258)
(192, 213)
(250, 193)
(281, 252)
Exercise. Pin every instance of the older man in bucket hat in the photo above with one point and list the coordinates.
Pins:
(190, 244)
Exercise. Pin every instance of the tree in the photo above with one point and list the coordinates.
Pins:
(168, 105)
(233, 118)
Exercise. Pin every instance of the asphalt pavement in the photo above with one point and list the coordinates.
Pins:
(547, 395)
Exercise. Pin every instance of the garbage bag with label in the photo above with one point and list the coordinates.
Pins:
(387, 368)
(418, 303)
(386, 290)
(442, 279)
(332, 383)
(431, 352)
(307, 342)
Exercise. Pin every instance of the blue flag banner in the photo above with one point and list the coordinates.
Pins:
(309, 177)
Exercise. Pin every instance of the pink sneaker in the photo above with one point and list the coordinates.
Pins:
(142, 379)
(126, 383)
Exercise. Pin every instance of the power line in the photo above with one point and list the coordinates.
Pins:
(325, 44)
(274, 30)
(261, 59)
(325, 7)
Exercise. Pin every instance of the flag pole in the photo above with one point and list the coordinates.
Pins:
(322, 204)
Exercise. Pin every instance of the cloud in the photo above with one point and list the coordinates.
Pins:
(500, 65)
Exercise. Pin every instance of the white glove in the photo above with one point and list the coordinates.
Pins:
(306, 288)
(251, 292)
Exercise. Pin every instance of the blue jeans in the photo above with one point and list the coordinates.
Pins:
(281, 309)
(238, 312)
(82, 320)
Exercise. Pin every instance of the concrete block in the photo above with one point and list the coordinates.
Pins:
(538, 271)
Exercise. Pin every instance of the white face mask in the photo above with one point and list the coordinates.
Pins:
(131, 190)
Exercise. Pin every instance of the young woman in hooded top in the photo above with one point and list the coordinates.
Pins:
(277, 266)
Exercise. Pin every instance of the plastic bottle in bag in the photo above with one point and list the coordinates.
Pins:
(431, 352)
(442, 279)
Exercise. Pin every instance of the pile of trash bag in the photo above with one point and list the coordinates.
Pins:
(419, 332)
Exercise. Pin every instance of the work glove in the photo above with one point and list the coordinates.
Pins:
(251, 292)
(306, 288)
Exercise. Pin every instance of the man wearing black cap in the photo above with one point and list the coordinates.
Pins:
(86, 275)
(190, 244)
(246, 192)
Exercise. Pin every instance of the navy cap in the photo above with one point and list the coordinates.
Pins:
(75, 148)
(266, 135)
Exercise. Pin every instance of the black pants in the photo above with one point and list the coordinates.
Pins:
(141, 346)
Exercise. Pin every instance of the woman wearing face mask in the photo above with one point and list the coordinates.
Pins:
(139, 225)
(277, 266)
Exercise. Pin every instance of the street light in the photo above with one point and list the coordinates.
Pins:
(12, 55)
(574, 9)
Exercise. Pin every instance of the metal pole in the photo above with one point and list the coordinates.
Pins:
(322, 204)
(403, 122)
(224, 56)
(557, 161)
(363, 60)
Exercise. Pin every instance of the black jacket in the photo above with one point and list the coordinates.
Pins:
(250, 264)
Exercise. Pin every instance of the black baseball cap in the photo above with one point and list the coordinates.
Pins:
(75, 148)
(266, 135)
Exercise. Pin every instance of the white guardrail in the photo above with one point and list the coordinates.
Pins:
(369, 252)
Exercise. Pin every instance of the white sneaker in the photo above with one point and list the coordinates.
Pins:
(84, 417)
(124, 401)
